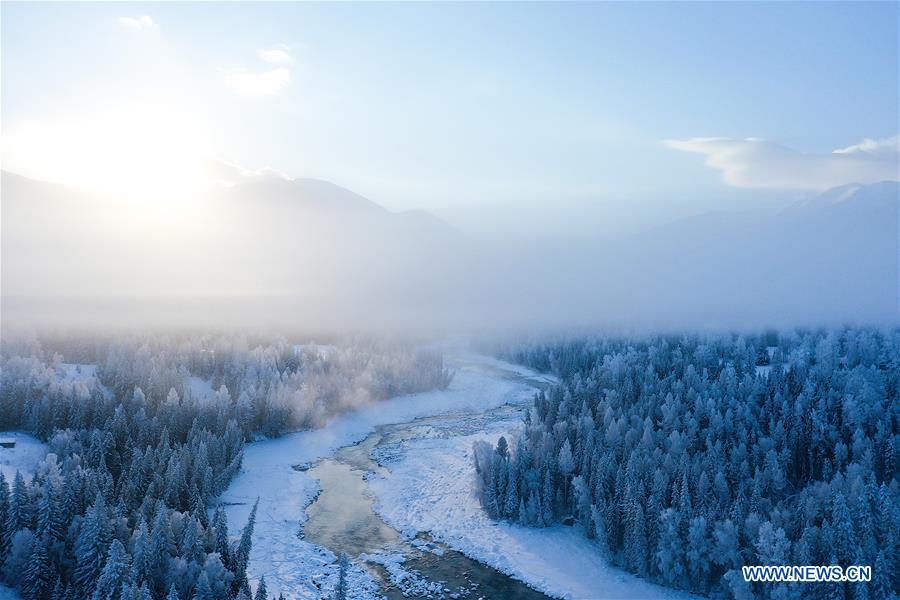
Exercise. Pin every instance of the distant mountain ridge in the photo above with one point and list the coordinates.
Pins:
(316, 193)
(329, 254)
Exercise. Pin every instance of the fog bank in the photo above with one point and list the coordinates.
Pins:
(272, 253)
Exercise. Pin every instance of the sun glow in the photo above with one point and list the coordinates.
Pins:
(144, 152)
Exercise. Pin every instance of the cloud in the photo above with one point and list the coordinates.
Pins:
(888, 147)
(757, 163)
(143, 22)
(230, 174)
(264, 83)
(279, 55)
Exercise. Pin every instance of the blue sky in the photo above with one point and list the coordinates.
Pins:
(472, 111)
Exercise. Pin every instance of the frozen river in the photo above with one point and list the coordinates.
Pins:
(392, 486)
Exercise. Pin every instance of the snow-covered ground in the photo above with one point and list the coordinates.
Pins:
(29, 451)
(200, 389)
(76, 371)
(293, 566)
(431, 488)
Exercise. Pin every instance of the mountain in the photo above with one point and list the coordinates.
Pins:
(831, 258)
(306, 240)
(304, 194)
(306, 250)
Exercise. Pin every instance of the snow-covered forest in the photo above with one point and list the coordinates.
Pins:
(684, 458)
(143, 434)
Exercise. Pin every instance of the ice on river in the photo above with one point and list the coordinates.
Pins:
(430, 488)
(302, 570)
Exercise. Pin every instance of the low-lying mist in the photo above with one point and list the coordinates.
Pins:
(308, 255)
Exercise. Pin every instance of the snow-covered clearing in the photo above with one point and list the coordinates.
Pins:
(200, 389)
(431, 488)
(76, 371)
(29, 451)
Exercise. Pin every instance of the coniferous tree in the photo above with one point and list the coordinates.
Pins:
(5, 537)
(116, 572)
(242, 554)
(261, 593)
(203, 591)
(37, 577)
(712, 452)
(220, 524)
(91, 546)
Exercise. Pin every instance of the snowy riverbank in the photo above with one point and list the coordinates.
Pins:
(295, 567)
(431, 488)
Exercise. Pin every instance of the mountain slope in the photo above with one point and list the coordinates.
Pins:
(305, 239)
(308, 250)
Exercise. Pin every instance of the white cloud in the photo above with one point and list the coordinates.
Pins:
(887, 147)
(756, 163)
(278, 55)
(143, 22)
(265, 83)
(229, 174)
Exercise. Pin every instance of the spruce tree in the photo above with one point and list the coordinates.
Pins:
(91, 546)
(203, 591)
(161, 550)
(242, 554)
(5, 537)
(261, 593)
(882, 588)
(37, 578)
(116, 572)
(220, 524)
(20, 513)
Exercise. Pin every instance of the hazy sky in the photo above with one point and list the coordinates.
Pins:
(482, 113)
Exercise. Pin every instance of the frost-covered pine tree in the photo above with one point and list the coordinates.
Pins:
(844, 534)
(203, 591)
(261, 592)
(636, 538)
(242, 553)
(140, 564)
(511, 499)
(91, 546)
(21, 513)
(4, 516)
(670, 552)
(220, 524)
(191, 547)
(18, 556)
(116, 572)
(37, 577)
(161, 550)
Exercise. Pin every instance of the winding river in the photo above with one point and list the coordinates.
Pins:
(342, 518)
(314, 496)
